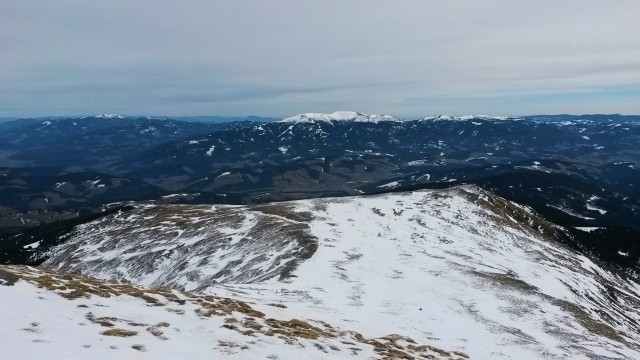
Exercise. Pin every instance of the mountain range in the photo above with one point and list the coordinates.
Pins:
(580, 172)
(339, 235)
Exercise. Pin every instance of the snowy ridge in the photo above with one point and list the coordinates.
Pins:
(118, 116)
(340, 116)
(108, 116)
(459, 268)
(66, 316)
(469, 117)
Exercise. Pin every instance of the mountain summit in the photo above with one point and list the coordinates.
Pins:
(340, 116)
(458, 268)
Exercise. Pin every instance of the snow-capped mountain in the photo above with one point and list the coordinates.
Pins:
(108, 116)
(459, 269)
(340, 116)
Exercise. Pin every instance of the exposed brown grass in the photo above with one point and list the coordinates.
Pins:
(8, 278)
(119, 332)
(507, 280)
(589, 323)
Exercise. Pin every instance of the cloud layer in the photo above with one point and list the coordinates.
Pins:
(278, 58)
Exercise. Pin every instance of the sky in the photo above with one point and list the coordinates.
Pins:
(280, 58)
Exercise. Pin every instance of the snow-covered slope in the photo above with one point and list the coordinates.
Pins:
(340, 116)
(458, 268)
(191, 247)
(50, 315)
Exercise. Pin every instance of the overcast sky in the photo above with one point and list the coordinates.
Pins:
(280, 58)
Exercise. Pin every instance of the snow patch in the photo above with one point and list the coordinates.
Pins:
(33, 245)
(592, 207)
(392, 184)
(588, 228)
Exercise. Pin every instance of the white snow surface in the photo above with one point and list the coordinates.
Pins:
(459, 268)
(39, 323)
(33, 245)
(340, 116)
(588, 228)
(392, 184)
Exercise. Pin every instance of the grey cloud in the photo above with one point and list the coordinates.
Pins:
(284, 57)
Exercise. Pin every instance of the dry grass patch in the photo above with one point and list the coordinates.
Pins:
(8, 278)
(592, 325)
(119, 332)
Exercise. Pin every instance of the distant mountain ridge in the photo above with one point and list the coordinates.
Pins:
(578, 171)
(340, 116)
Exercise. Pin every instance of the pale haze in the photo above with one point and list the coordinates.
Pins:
(280, 58)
